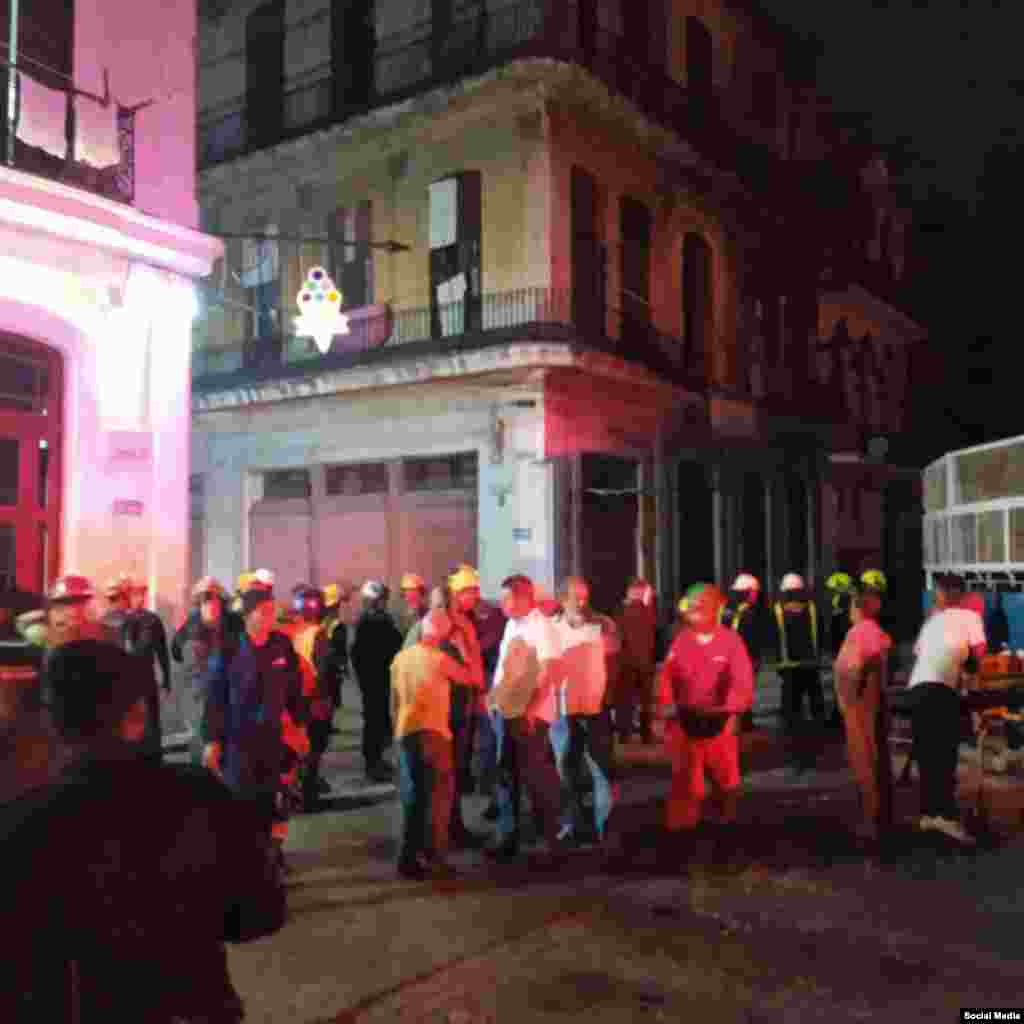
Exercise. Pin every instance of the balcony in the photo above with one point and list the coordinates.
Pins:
(417, 60)
(380, 335)
(68, 135)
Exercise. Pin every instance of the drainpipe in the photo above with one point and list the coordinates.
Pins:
(12, 81)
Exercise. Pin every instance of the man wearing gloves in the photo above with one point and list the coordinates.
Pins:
(707, 681)
(421, 680)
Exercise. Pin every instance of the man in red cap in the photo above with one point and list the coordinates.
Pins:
(706, 683)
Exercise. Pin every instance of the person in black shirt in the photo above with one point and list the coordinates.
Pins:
(165, 867)
(146, 638)
(745, 613)
(376, 643)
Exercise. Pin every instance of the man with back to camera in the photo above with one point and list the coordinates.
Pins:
(950, 644)
(133, 925)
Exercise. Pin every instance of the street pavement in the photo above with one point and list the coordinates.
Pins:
(790, 920)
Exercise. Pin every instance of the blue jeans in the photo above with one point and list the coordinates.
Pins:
(573, 738)
(524, 758)
(426, 790)
(488, 739)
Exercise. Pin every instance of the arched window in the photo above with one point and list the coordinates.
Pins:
(697, 301)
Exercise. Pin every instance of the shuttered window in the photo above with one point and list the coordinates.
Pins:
(283, 484)
(350, 230)
(442, 473)
(456, 280)
(357, 478)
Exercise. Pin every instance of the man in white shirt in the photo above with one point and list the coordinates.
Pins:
(949, 642)
(525, 683)
(588, 642)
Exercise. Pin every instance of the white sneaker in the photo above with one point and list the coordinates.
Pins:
(953, 829)
(926, 822)
(998, 763)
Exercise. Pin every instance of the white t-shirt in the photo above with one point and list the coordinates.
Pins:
(526, 644)
(583, 658)
(943, 645)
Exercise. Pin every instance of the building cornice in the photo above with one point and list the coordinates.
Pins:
(399, 372)
(29, 202)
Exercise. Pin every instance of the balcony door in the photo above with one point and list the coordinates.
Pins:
(30, 415)
(589, 276)
(264, 74)
(353, 54)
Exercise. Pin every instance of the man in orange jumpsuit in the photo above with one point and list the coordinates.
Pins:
(706, 683)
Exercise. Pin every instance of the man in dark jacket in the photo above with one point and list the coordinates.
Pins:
(246, 698)
(146, 637)
(376, 643)
(334, 669)
(166, 867)
(746, 614)
(210, 628)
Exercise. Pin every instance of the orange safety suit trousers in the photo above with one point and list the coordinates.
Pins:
(718, 756)
(861, 716)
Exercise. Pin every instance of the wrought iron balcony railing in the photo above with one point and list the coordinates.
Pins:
(67, 134)
(418, 59)
(381, 334)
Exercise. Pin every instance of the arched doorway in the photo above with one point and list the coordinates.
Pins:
(31, 392)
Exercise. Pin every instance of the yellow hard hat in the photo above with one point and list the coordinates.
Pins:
(839, 581)
(875, 579)
(411, 581)
(463, 578)
(244, 580)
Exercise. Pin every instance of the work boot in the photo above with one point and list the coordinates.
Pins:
(415, 868)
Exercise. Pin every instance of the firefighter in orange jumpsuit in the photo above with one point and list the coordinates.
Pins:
(706, 683)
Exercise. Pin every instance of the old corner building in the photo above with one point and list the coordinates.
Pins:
(623, 295)
(99, 251)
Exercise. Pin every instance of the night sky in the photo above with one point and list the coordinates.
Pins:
(943, 83)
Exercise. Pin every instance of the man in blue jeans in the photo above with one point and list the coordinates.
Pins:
(589, 641)
(528, 675)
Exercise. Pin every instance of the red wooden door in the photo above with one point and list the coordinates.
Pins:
(30, 440)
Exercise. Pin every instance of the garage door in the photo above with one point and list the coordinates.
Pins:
(281, 528)
(369, 520)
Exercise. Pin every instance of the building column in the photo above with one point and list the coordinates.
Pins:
(718, 519)
(576, 513)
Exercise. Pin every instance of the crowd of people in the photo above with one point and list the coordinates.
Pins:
(530, 693)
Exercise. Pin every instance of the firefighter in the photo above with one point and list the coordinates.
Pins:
(796, 619)
(637, 625)
(335, 667)
(707, 681)
(145, 636)
(464, 644)
(414, 602)
(840, 587)
(252, 701)
(745, 613)
(310, 641)
(210, 628)
(118, 607)
(120, 622)
(377, 641)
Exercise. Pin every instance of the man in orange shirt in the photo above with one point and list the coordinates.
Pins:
(421, 685)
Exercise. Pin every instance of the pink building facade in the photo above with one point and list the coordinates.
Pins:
(99, 255)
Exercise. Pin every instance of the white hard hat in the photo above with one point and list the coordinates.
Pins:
(746, 582)
(373, 590)
(792, 581)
